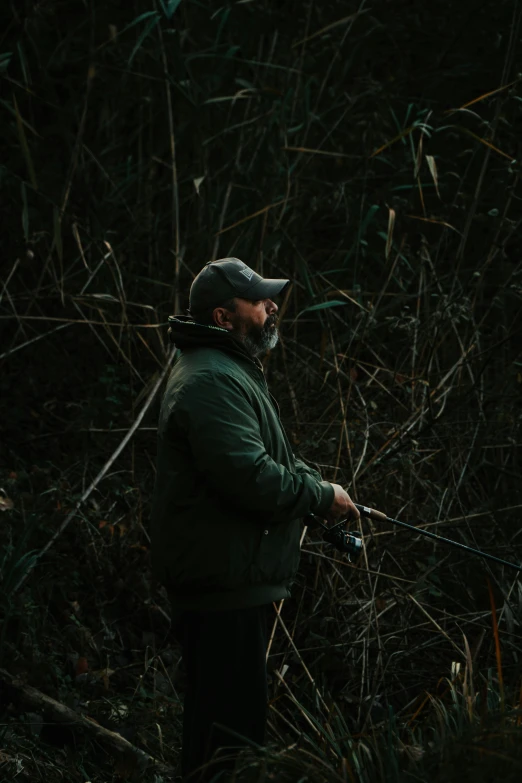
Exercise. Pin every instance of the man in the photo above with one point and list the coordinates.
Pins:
(228, 505)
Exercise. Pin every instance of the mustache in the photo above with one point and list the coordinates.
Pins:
(271, 320)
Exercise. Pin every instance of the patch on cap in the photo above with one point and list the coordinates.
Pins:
(249, 273)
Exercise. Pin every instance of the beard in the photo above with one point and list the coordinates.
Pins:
(259, 339)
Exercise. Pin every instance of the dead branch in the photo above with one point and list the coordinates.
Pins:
(54, 710)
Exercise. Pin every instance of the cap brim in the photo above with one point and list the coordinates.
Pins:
(266, 289)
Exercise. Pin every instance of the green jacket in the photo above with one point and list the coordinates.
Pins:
(229, 495)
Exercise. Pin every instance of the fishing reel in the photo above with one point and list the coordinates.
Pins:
(348, 542)
(341, 539)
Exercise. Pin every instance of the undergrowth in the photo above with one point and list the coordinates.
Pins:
(372, 155)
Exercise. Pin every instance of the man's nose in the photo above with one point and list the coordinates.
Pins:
(270, 307)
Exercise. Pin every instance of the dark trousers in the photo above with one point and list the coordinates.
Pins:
(224, 654)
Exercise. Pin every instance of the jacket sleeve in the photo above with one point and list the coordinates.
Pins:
(225, 440)
(302, 467)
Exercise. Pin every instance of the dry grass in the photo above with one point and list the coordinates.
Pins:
(379, 172)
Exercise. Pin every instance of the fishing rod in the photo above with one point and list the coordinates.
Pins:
(351, 542)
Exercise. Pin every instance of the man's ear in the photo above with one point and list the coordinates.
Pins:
(222, 318)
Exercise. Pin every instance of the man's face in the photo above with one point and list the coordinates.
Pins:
(255, 322)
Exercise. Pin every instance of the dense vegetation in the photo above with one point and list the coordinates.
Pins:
(371, 153)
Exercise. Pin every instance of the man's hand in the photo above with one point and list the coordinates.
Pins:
(342, 506)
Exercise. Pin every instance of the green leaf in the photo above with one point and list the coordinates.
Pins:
(23, 63)
(144, 33)
(15, 571)
(324, 306)
(367, 220)
(24, 145)
(245, 83)
(170, 7)
(230, 52)
(224, 17)
(410, 187)
(139, 19)
(5, 59)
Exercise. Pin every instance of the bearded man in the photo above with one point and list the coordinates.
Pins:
(228, 505)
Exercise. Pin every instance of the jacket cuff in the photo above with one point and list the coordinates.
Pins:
(327, 498)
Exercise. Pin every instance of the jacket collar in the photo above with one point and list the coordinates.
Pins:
(187, 334)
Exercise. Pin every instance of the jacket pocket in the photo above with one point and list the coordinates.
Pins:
(278, 554)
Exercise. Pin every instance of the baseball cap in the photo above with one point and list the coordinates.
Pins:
(228, 277)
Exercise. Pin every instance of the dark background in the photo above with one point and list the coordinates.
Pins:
(371, 153)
